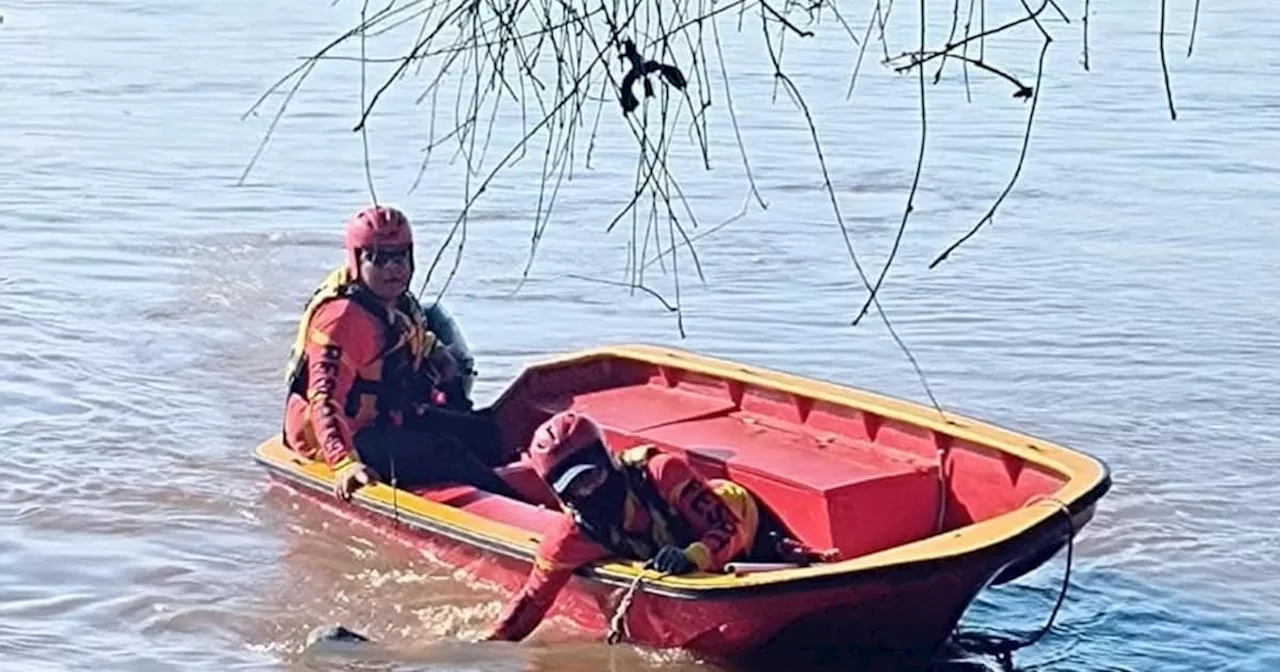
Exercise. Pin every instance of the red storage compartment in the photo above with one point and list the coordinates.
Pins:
(831, 493)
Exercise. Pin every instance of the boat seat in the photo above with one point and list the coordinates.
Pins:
(634, 408)
(832, 493)
(538, 508)
(521, 476)
(523, 515)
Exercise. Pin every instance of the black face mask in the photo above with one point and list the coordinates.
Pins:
(603, 508)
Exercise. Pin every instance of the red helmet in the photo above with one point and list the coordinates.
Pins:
(376, 227)
(567, 439)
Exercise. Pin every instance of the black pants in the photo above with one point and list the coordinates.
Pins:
(433, 451)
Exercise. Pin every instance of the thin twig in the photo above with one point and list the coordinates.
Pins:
(982, 30)
(817, 145)
(835, 11)
(547, 119)
(665, 304)
(733, 117)
(1195, 23)
(950, 47)
(537, 54)
(783, 20)
(955, 23)
(1085, 31)
(364, 134)
(1035, 16)
(1022, 155)
(1164, 65)
(275, 120)
(405, 64)
(1058, 8)
(1023, 91)
(964, 54)
(862, 50)
(883, 15)
(915, 180)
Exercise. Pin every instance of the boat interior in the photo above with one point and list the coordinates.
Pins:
(837, 476)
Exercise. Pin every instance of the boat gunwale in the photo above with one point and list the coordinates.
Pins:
(1078, 494)
(623, 573)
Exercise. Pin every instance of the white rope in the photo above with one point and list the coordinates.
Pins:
(617, 624)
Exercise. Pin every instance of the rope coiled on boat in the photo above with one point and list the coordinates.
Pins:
(1003, 648)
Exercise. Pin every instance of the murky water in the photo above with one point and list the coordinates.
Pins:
(1123, 302)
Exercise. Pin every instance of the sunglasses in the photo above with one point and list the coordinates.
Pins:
(381, 258)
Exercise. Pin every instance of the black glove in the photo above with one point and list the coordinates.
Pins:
(672, 560)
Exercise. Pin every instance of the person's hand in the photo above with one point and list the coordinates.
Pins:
(672, 560)
(349, 479)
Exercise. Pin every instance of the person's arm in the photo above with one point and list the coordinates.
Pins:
(340, 340)
(561, 551)
(691, 496)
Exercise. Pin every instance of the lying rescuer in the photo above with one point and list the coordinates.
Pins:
(641, 505)
(366, 372)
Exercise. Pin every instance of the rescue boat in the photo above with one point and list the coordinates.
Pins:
(925, 509)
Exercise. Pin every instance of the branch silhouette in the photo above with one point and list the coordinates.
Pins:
(550, 62)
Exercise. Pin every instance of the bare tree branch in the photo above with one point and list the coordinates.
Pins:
(1164, 65)
(1195, 24)
(1085, 32)
(915, 180)
(1021, 90)
(553, 59)
(1022, 155)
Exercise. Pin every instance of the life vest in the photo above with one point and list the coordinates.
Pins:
(397, 379)
(666, 527)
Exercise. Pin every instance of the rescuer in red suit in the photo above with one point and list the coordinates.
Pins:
(367, 373)
(642, 505)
